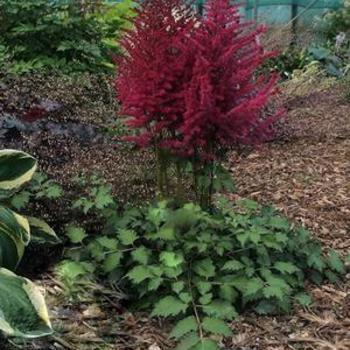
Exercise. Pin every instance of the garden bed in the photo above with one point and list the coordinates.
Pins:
(305, 173)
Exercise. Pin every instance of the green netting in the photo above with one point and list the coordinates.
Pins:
(283, 11)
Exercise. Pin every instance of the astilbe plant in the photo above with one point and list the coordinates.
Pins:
(153, 71)
(190, 86)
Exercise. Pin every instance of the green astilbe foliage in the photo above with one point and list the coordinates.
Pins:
(202, 268)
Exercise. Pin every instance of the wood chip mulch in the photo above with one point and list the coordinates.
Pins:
(305, 172)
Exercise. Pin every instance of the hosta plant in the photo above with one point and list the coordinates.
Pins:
(22, 308)
(202, 268)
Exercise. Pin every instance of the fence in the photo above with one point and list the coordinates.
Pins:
(282, 11)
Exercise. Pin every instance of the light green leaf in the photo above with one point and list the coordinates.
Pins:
(154, 283)
(185, 297)
(108, 243)
(204, 268)
(71, 269)
(141, 255)
(187, 325)
(206, 299)
(203, 287)
(335, 262)
(166, 233)
(303, 299)
(279, 223)
(23, 312)
(216, 326)
(273, 291)
(53, 191)
(233, 265)
(206, 344)
(20, 200)
(139, 273)
(228, 293)
(243, 238)
(127, 237)
(253, 286)
(315, 260)
(188, 342)
(169, 306)
(76, 234)
(112, 261)
(171, 259)
(285, 267)
(103, 197)
(220, 309)
(178, 287)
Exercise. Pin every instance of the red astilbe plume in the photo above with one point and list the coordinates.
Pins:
(153, 70)
(224, 99)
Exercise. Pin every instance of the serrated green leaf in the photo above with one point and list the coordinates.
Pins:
(335, 262)
(141, 255)
(273, 291)
(285, 267)
(71, 269)
(206, 299)
(177, 287)
(20, 200)
(166, 233)
(266, 307)
(183, 327)
(108, 243)
(112, 261)
(127, 237)
(188, 342)
(76, 234)
(103, 197)
(53, 191)
(233, 265)
(277, 287)
(226, 292)
(169, 306)
(243, 238)
(203, 287)
(303, 299)
(154, 283)
(139, 273)
(185, 297)
(220, 309)
(279, 223)
(206, 344)
(316, 261)
(216, 326)
(253, 286)
(204, 268)
(171, 259)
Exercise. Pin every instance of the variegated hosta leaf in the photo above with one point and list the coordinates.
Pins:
(41, 232)
(23, 312)
(14, 236)
(16, 168)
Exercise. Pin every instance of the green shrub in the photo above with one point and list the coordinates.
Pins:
(287, 62)
(202, 269)
(39, 34)
(336, 22)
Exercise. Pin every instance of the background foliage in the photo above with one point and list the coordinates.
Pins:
(63, 35)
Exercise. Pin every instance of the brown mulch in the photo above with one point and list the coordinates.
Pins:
(305, 172)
